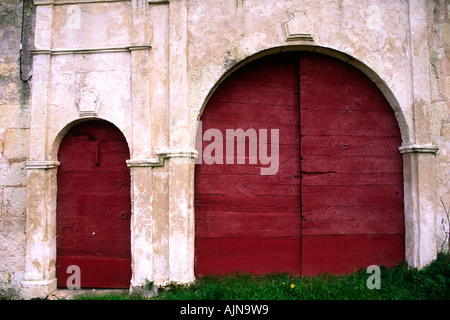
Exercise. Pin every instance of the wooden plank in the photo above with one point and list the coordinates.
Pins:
(350, 179)
(256, 255)
(245, 221)
(334, 96)
(352, 185)
(348, 123)
(202, 187)
(95, 272)
(353, 164)
(369, 195)
(88, 182)
(244, 203)
(248, 185)
(74, 244)
(382, 211)
(350, 146)
(250, 224)
(244, 94)
(347, 253)
(350, 227)
(285, 129)
(276, 114)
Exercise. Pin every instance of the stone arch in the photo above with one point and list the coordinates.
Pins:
(62, 132)
(406, 132)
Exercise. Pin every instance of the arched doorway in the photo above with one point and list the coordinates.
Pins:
(335, 202)
(94, 206)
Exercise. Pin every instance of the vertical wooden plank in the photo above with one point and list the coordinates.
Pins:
(352, 187)
(300, 142)
(246, 221)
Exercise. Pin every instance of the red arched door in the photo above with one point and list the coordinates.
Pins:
(94, 206)
(336, 201)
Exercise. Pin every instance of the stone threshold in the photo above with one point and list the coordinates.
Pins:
(69, 294)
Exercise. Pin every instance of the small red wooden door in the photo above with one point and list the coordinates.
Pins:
(336, 202)
(94, 206)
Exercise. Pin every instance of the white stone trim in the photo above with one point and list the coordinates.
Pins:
(91, 50)
(41, 164)
(56, 2)
(179, 153)
(38, 288)
(148, 162)
(301, 27)
(418, 148)
(158, 1)
(161, 156)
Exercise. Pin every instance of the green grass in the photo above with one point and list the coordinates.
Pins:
(397, 283)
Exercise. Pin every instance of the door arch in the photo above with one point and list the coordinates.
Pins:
(336, 202)
(94, 206)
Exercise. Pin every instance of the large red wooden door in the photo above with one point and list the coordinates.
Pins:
(336, 202)
(94, 206)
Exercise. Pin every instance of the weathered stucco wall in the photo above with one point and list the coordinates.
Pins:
(369, 33)
(439, 43)
(149, 66)
(14, 130)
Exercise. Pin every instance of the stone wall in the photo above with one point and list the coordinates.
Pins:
(14, 133)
